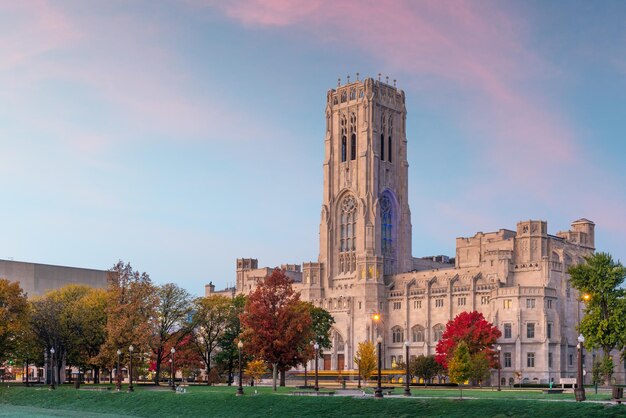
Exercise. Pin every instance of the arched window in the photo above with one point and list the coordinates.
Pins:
(389, 149)
(438, 332)
(348, 234)
(382, 138)
(353, 136)
(386, 225)
(352, 93)
(397, 334)
(344, 96)
(344, 140)
(417, 333)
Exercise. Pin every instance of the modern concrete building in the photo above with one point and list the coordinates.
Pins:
(517, 278)
(36, 279)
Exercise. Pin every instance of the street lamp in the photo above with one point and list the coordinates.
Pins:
(118, 376)
(240, 388)
(52, 369)
(172, 372)
(580, 389)
(407, 390)
(378, 393)
(499, 348)
(316, 346)
(130, 374)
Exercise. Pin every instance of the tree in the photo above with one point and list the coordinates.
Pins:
(478, 334)
(14, 316)
(424, 367)
(256, 369)
(321, 323)
(208, 324)
(54, 323)
(170, 326)
(460, 365)
(277, 327)
(365, 359)
(188, 361)
(228, 354)
(481, 367)
(131, 303)
(603, 325)
(86, 321)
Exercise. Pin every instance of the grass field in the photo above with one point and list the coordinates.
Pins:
(222, 402)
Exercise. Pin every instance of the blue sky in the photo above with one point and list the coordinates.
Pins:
(182, 135)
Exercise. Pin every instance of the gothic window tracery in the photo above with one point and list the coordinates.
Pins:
(344, 140)
(418, 334)
(397, 334)
(438, 332)
(382, 137)
(353, 136)
(347, 242)
(389, 149)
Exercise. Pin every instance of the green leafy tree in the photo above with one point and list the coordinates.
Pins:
(209, 323)
(228, 353)
(481, 367)
(460, 367)
(425, 367)
(365, 359)
(603, 324)
(170, 325)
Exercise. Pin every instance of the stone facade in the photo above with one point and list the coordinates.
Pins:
(517, 279)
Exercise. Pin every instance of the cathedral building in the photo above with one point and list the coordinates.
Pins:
(517, 278)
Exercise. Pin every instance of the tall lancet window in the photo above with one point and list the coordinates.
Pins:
(382, 137)
(386, 225)
(344, 140)
(389, 149)
(353, 136)
(347, 244)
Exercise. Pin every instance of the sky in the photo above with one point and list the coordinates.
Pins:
(181, 135)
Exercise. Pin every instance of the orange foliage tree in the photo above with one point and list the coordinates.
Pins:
(276, 324)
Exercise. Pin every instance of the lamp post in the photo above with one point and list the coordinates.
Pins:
(358, 364)
(316, 346)
(130, 374)
(407, 390)
(52, 367)
(118, 376)
(240, 388)
(378, 393)
(499, 348)
(580, 389)
(173, 371)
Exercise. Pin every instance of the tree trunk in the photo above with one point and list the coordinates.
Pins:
(230, 370)
(274, 373)
(111, 376)
(157, 372)
(282, 377)
(96, 374)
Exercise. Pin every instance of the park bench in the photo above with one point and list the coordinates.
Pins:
(567, 381)
(552, 391)
(96, 388)
(313, 393)
(388, 390)
(618, 395)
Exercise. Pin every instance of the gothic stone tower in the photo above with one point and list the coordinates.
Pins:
(365, 229)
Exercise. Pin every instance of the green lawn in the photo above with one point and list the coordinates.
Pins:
(222, 402)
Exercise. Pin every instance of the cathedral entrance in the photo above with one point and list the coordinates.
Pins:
(327, 362)
(340, 362)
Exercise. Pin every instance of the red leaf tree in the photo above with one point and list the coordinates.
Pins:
(277, 325)
(471, 327)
